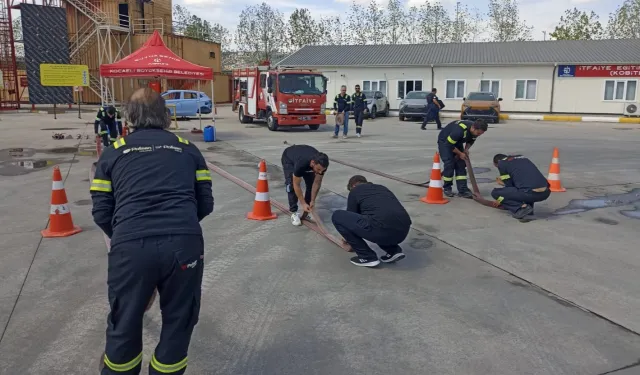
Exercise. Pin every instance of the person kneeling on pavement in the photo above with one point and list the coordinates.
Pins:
(374, 214)
(303, 162)
(523, 185)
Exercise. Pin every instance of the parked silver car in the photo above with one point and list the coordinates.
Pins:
(414, 105)
(378, 103)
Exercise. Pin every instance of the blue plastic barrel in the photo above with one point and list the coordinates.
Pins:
(209, 133)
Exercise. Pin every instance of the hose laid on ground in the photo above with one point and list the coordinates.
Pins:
(316, 226)
(476, 191)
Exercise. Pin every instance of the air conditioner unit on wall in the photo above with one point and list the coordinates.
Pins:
(631, 109)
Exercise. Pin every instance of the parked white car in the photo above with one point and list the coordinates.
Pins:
(377, 103)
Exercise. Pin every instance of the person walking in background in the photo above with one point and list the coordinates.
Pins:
(433, 110)
(342, 104)
(359, 107)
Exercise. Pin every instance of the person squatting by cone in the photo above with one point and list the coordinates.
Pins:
(342, 105)
(452, 152)
(303, 162)
(359, 107)
(374, 214)
(108, 125)
(523, 185)
(149, 193)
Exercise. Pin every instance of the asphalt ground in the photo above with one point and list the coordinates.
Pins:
(479, 292)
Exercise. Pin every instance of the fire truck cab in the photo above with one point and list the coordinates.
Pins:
(281, 96)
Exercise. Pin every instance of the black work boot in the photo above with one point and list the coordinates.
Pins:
(522, 212)
(466, 194)
(449, 193)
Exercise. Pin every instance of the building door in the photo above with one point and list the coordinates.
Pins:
(123, 14)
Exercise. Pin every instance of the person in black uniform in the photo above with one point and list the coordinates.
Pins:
(523, 185)
(108, 125)
(342, 104)
(373, 214)
(149, 193)
(452, 153)
(434, 105)
(303, 162)
(359, 100)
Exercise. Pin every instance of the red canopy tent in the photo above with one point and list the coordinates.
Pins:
(154, 59)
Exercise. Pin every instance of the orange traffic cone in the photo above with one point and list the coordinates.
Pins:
(435, 194)
(60, 221)
(554, 173)
(262, 203)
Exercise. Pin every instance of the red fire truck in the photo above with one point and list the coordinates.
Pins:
(281, 96)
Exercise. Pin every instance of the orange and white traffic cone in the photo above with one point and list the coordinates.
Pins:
(554, 173)
(262, 203)
(60, 221)
(435, 193)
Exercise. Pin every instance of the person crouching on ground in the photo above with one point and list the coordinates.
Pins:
(303, 162)
(374, 214)
(523, 185)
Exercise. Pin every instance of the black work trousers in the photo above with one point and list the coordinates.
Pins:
(452, 165)
(358, 115)
(356, 228)
(108, 132)
(171, 263)
(287, 167)
(433, 114)
(512, 198)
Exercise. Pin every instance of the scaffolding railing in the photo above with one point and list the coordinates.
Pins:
(147, 25)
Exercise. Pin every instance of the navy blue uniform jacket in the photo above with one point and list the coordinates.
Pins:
(520, 172)
(150, 183)
(342, 103)
(359, 101)
(457, 133)
(379, 204)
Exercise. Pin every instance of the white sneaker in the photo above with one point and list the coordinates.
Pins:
(295, 220)
(344, 137)
(358, 135)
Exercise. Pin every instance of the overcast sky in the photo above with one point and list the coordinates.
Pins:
(541, 14)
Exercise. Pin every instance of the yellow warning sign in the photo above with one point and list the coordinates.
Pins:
(64, 75)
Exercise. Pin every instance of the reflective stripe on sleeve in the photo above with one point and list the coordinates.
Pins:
(101, 185)
(463, 126)
(167, 369)
(119, 143)
(505, 177)
(203, 175)
(182, 140)
(500, 199)
(123, 367)
(451, 140)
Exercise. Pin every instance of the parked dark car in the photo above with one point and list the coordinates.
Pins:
(414, 105)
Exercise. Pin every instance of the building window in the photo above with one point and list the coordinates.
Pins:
(526, 89)
(263, 80)
(374, 86)
(490, 85)
(407, 86)
(455, 89)
(620, 90)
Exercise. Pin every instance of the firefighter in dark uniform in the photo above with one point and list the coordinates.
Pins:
(523, 185)
(359, 106)
(342, 104)
(374, 214)
(149, 192)
(434, 105)
(108, 124)
(450, 146)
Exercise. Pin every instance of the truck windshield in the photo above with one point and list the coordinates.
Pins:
(301, 84)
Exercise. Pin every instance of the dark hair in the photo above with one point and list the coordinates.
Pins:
(357, 179)
(498, 157)
(111, 110)
(481, 124)
(321, 159)
(147, 109)
(434, 89)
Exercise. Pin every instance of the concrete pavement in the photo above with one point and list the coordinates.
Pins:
(282, 300)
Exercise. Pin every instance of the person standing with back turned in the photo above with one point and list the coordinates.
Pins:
(150, 191)
(433, 110)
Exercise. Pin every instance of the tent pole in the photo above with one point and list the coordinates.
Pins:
(213, 103)
(199, 111)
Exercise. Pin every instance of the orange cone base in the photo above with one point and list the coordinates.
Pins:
(252, 216)
(431, 201)
(556, 190)
(47, 233)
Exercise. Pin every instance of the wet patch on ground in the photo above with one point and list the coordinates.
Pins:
(604, 220)
(631, 198)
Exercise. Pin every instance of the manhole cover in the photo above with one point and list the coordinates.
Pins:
(59, 129)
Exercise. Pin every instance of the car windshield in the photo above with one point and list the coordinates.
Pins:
(369, 94)
(482, 96)
(417, 95)
(301, 84)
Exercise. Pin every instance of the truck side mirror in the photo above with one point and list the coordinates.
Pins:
(270, 90)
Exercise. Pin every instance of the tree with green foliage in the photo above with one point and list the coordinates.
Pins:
(396, 18)
(357, 25)
(463, 24)
(261, 33)
(193, 26)
(302, 29)
(332, 31)
(624, 23)
(505, 22)
(578, 25)
(435, 23)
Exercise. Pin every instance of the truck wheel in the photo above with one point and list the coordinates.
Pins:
(272, 122)
(314, 127)
(242, 118)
